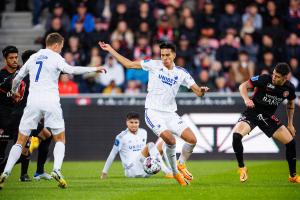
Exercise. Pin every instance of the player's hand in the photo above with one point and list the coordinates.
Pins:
(292, 129)
(103, 175)
(101, 70)
(16, 96)
(249, 103)
(203, 91)
(104, 46)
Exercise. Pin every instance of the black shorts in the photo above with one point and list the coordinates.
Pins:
(7, 130)
(268, 124)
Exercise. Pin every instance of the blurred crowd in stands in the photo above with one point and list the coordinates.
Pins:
(221, 43)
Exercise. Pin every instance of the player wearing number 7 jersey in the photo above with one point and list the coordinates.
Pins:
(44, 68)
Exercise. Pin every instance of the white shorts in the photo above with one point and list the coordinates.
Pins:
(159, 121)
(33, 113)
(135, 170)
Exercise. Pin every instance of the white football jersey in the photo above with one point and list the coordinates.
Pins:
(163, 85)
(44, 68)
(130, 145)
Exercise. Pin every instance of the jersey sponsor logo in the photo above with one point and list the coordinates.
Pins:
(272, 100)
(136, 147)
(286, 93)
(117, 142)
(167, 80)
(254, 78)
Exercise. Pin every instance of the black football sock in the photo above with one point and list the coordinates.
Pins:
(25, 159)
(238, 148)
(291, 156)
(42, 154)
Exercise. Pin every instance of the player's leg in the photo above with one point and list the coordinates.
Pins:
(43, 149)
(180, 128)
(58, 153)
(25, 159)
(155, 122)
(283, 135)
(14, 155)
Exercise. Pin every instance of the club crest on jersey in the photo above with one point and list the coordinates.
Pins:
(254, 78)
(286, 93)
(270, 86)
(117, 142)
(147, 60)
(167, 80)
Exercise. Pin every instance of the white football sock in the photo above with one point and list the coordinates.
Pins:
(187, 150)
(171, 153)
(13, 157)
(59, 154)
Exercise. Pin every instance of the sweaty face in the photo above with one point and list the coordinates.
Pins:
(12, 60)
(278, 79)
(167, 57)
(133, 125)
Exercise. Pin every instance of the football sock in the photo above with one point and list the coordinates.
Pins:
(153, 151)
(42, 154)
(171, 153)
(187, 150)
(238, 148)
(13, 157)
(59, 153)
(3, 159)
(165, 156)
(25, 159)
(291, 156)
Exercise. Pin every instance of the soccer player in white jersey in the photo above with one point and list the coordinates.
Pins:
(44, 68)
(160, 107)
(132, 147)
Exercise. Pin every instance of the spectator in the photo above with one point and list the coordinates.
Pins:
(81, 34)
(227, 53)
(292, 47)
(164, 30)
(221, 86)
(206, 47)
(189, 30)
(38, 6)
(75, 49)
(292, 19)
(104, 8)
(119, 14)
(242, 70)
(83, 16)
(186, 52)
(143, 49)
(268, 45)
(67, 86)
(112, 88)
(250, 47)
(115, 72)
(133, 87)
(267, 63)
(144, 15)
(144, 31)
(230, 20)
(58, 11)
(141, 76)
(170, 11)
(89, 84)
(204, 79)
(208, 20)
(295, 73)
(271, 14)
(55, 27)
(252, 16)
(100, 33)
(124, 35)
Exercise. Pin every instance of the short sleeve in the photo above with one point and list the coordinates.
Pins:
(150, 65)
(258, 81)
(188, 80)
(292, 93)
(117, 143)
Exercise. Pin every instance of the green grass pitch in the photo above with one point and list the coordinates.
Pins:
(212, 180)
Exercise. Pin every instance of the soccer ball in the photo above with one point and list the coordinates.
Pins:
(151, 165)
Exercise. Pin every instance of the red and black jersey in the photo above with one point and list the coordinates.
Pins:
(5, 86)
(267, 97)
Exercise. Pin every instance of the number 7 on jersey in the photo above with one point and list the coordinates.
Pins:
(40, 63)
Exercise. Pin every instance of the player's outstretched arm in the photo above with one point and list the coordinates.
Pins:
(109, 162)
(121, 59)
(290, 108)
(199, 91)
(244, 93)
